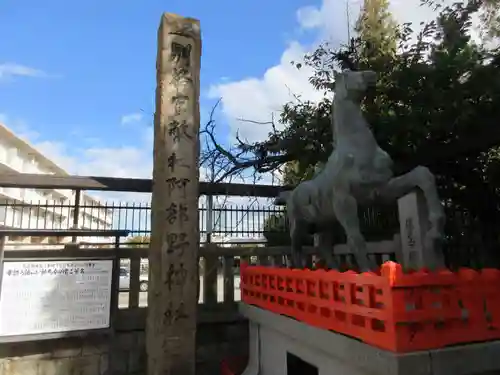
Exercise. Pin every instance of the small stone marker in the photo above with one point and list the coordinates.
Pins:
(414, 224)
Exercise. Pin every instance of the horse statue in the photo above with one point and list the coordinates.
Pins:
(357, 172)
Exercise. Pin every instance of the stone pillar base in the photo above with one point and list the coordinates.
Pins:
(273, 337)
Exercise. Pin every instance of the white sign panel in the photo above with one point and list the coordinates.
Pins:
(55, 296)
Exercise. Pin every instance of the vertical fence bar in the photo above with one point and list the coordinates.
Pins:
(135, 271)
(209, 213)
(263, 260)
(210, 278)
(115, 281)
(45, 214)
(76, 212)
(2, 250)
(228, 279)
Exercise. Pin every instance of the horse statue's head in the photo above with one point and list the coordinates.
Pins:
(353, 84)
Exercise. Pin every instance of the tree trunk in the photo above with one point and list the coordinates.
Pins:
(173, 256)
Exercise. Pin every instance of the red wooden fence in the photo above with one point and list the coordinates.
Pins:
(397, 311)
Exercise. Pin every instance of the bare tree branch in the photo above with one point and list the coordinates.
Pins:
(240, 158)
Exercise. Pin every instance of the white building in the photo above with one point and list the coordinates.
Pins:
(41, 208)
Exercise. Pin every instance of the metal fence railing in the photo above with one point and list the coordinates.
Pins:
(471, 238)
(230, 220)
(255, 222)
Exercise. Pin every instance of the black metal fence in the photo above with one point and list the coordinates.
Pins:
(469, 242)
(255, 222)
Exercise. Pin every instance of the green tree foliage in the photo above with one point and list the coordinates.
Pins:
(294, 173)
(489, 16)
(275, 230)
(377, 29)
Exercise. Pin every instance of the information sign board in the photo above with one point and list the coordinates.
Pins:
(38, 297)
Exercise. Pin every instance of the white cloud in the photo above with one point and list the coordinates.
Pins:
(19, 127)
(125, 161)
(131, 118)
(309, 17)
(10, 70)
(257, 98)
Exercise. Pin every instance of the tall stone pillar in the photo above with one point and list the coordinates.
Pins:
(173, 256)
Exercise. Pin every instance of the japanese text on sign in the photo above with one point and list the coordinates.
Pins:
(178, 130)
(181, 53)
(173, 315)
(55, 296)
(177, 243)
(176, 276)
(175, 183)
(173, 160)
(41, 269)
(180, 104)
(177, 212)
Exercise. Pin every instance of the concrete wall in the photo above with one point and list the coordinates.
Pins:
(123, 354)
(56, 357)
(273, 357)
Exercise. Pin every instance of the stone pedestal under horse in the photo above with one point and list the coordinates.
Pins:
(357, 172)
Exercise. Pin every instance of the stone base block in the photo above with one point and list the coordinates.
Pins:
(276, 339)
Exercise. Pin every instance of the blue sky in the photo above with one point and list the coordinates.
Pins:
(88, 64)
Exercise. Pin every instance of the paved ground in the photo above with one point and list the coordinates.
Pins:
(143, 297)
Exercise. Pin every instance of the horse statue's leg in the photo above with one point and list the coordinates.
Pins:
(346, 212)
(422, 178)
(324, 243)
(297, 229)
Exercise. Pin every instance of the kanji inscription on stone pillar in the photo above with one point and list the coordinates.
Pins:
(413, 222)
(173, 256)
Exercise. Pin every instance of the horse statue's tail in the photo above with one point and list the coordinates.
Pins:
(282, 198)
